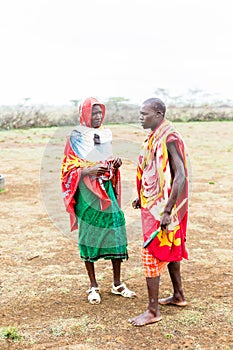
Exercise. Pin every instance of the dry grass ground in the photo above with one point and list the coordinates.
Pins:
(43, 281)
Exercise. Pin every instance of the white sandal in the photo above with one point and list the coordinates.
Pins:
(126, 293)
(93, 296)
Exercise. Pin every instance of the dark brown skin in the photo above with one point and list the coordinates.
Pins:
(151, 117)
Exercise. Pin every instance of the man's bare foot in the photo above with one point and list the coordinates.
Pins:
(172, 301)
(146, 318)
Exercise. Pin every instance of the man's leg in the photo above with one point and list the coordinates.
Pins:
(178, 297)
(152, 314)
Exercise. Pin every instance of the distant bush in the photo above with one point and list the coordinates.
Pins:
(22, 116)
(192, 114)
(16, 117)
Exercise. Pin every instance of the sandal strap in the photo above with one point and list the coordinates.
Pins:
(92, 289)
(122, 285)
(93, 296)
(126, 292)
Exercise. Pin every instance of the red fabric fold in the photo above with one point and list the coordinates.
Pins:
(70, 177)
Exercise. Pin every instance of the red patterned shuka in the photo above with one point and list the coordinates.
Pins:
(154, 181)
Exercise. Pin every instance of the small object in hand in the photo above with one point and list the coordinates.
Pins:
(152, 236)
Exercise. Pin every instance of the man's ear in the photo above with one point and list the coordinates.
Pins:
(159, 114)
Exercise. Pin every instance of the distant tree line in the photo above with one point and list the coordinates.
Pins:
(196, 105)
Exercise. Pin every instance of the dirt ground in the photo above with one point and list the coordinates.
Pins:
(43, 281)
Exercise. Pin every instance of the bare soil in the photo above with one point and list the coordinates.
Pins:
(43, 280)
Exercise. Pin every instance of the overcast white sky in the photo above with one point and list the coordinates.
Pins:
(53, 51)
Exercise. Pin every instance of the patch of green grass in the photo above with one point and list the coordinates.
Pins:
(64, 290)
(10, 332)
(73, 326)
(168, 336)
(190, 318)
(57, 331)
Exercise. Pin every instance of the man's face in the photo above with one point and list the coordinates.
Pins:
(148, 117)
(96, 116)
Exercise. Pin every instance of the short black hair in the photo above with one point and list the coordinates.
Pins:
(157, 104)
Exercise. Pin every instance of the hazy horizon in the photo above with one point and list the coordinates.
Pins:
(56, 51)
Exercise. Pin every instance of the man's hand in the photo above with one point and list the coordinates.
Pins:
(116, 163)
(136, 204)
(165, 220)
